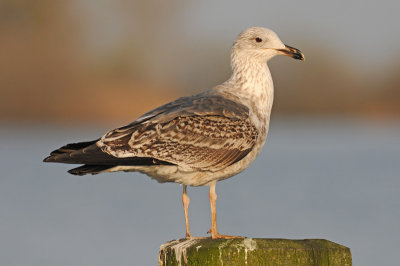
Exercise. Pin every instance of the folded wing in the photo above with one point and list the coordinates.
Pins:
(198, 132)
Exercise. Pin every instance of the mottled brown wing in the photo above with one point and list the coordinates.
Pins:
(196, 134)
(201, 104)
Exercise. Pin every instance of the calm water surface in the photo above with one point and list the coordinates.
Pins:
(334, 179)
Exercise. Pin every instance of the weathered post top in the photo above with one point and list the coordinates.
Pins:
(254, 251)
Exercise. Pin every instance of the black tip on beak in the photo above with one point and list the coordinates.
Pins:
(292, 52)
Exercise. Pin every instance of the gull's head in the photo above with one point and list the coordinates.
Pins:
(261, 44)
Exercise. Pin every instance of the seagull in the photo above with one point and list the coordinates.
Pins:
(196, 140)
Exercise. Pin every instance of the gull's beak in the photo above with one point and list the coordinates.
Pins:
(292, 52)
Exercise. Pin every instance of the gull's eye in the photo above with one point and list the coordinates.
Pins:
(258, 39)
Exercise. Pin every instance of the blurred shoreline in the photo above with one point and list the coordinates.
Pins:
(59, 66)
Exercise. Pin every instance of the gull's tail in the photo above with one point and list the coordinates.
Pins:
(86, 153)
(94, 160)
(81, 152)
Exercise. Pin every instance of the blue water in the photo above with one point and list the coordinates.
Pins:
(334, 179)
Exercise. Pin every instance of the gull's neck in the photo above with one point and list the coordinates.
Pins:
(251, 83)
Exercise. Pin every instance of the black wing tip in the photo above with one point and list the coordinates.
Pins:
(76, 172)
(49, 159)
(89, 169)
(66, 150)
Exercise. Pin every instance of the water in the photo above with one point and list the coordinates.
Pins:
(333, 179)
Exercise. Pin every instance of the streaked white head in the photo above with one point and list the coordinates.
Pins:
(251, 79)
(261, 44)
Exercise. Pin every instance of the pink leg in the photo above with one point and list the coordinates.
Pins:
(213, 203)
(186, 201)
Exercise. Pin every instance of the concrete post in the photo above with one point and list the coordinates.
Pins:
(254, 251)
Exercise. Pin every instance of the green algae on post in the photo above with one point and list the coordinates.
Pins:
(254, 251)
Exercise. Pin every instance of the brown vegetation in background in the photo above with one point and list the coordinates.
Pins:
(330, 84)
(45, 77)
(48, 71)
